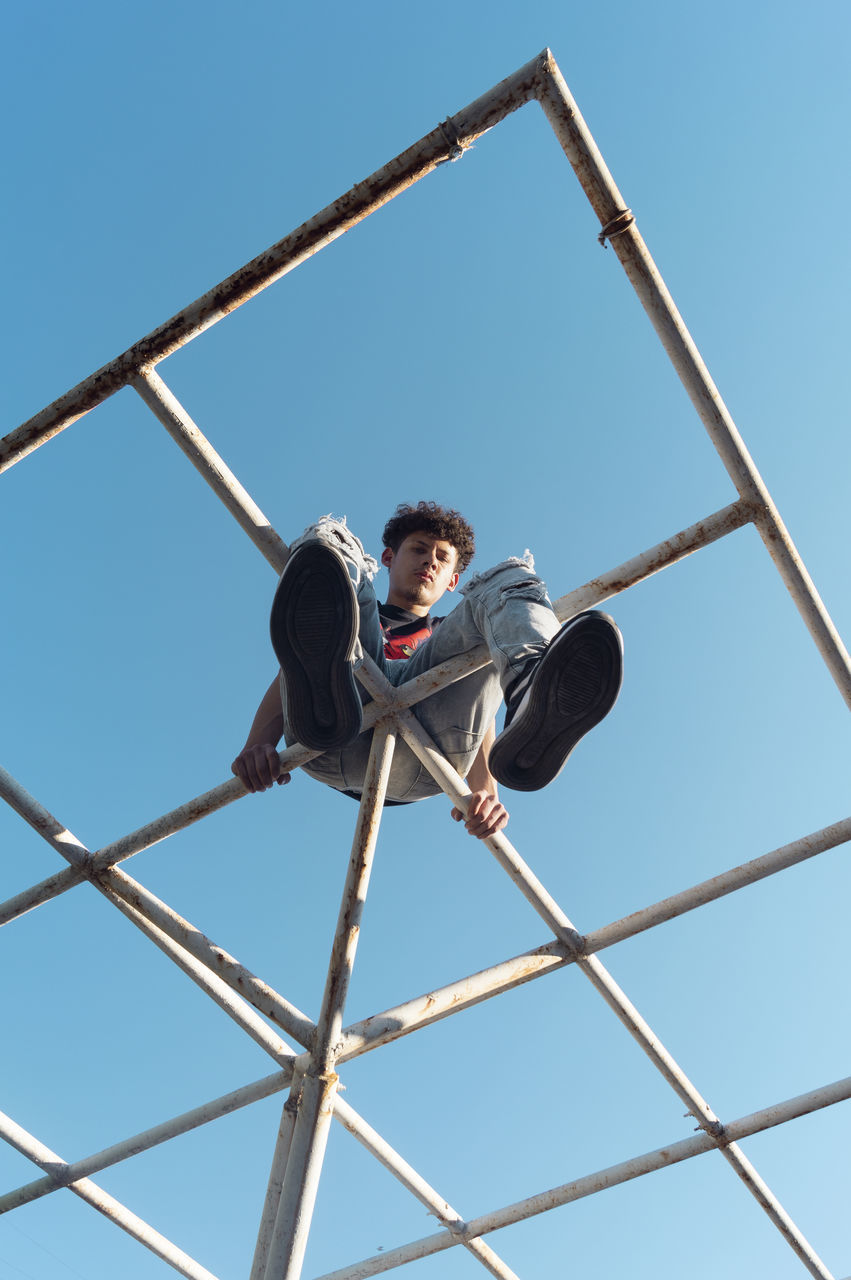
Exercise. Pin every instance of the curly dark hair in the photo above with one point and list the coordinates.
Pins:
(439, 522)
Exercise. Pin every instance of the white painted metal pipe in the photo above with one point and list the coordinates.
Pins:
(637, 569)
(218, 961)
(608, 203)
(301, 1179)
(63, 1174)
(463, 993)
(649, 562)
(418, 1187)
(307, 1148)
(614, 1175)
(768, 864)
(502, 848)
(228, 1001)
(151, 833)
(164, 918)
(197, 448)
(622, 1007)
(106, 1204)
(283, 1145)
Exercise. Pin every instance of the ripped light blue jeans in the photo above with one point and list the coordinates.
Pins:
(505, 607)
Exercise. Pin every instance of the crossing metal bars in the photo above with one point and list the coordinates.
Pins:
(311, 1076)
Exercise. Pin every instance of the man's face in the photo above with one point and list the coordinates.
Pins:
(421, 570)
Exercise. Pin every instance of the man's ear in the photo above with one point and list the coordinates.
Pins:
(453, 582)
(387, 557)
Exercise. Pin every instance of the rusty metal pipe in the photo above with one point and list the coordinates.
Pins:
(593, 592)
(608, 203)
(446, 142)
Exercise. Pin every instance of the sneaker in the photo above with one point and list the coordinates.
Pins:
(314, 628)
(570, 689)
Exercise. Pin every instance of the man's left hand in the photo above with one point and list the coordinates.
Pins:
(485, 816)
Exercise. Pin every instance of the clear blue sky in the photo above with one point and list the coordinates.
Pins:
(471, 342)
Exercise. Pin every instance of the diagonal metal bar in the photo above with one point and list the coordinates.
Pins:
(62, 1174)
(420, 743)
(381, 1028)
(122, 888)
(418, 1186)
(136, 841)
(614, 1175)
(581, 150)
(542, 79)
(318, 1091)
(123, 891)
(237, 1008)
(390, 1024)
(186, 435)
(628, 574)
(351, 208)
(111, 1208)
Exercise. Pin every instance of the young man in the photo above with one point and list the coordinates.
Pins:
(558, 682)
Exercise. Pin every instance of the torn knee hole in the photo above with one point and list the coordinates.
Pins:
(529, 589)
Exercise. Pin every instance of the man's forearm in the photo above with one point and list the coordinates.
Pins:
(479, 777)
(268, 723)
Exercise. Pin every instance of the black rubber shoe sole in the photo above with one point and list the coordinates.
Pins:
(314, 626)
(574, 687)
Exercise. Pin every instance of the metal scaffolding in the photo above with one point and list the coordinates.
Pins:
(309, 1074)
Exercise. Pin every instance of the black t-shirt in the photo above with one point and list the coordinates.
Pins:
(403, 631)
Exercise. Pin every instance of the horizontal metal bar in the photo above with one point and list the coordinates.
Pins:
(144, 837)
(433, 1006)
(648, 563)
(637, 569)
(594, 592)
(197, 448)
(614, 1175)
(111, 1208)
(378, 189)
(788, 855)
(64, 1174)
(381, 1028)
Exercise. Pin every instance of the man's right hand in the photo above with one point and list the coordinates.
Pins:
(259, 768)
